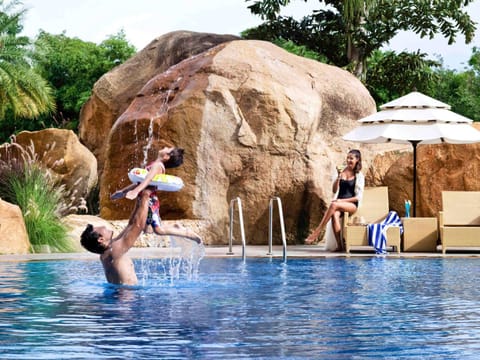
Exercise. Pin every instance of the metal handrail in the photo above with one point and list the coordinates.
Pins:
(242, 229)
(282, 226)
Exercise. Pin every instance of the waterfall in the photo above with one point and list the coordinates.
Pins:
(163, 109)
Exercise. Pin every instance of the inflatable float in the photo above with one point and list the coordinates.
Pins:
(162, 182)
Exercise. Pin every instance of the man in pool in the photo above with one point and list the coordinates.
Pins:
(118, 266)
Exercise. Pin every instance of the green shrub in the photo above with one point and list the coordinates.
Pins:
(24, 181)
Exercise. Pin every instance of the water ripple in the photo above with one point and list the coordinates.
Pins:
(260, 309)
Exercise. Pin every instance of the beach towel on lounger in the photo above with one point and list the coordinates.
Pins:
(377, 233)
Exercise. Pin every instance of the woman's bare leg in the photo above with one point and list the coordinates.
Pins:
(335, 206)
(337, 229)
(316, 233)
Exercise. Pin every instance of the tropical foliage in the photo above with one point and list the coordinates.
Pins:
(347, 32)
(391, 75)
(72, 66)
(23, 92)
(461, 90)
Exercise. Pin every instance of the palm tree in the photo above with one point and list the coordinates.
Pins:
(23, 92)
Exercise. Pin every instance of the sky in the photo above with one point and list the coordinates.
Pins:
(145, 20)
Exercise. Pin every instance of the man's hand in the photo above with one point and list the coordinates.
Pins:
(149, 190)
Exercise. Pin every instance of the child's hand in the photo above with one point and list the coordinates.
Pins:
(131, 195)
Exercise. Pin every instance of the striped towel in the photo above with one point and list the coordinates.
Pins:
(377, 233)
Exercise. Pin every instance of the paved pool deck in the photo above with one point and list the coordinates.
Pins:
(251, 251)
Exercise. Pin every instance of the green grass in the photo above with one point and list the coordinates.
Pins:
(26, 183)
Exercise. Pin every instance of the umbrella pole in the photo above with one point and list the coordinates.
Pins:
(414, 144)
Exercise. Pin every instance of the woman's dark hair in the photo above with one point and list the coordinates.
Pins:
(358, 155)
(176, 159)
(89, 240)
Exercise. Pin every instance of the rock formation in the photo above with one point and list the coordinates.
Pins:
(255, 122)
(61, 151)
(114, 91)
(13, 233)
(439, 167)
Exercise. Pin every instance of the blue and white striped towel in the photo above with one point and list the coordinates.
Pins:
(377, 233)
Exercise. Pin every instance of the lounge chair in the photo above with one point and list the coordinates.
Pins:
(373, 209)
(459, 220)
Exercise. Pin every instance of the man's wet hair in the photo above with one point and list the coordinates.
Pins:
(176, 158)
(89, 240)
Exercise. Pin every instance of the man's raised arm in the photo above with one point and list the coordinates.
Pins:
(137, 220)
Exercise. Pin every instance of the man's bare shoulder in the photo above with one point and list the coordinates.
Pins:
(119, 269)
(119, 247)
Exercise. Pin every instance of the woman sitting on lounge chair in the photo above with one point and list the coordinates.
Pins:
(348, 186)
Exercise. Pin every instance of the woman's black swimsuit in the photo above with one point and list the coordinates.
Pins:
(347, 190)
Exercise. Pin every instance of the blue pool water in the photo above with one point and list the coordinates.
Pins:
(258, 309)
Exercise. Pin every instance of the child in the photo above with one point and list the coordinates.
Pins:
(168, 157)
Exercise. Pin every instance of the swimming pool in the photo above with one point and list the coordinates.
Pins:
(258, 309)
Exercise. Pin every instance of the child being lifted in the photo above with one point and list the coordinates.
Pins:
(168, 157)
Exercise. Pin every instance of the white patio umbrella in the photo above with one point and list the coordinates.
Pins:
(416, 119)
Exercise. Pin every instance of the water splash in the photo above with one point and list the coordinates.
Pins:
(188, 260)
(135, 134)
(182, 262)
(149, 143)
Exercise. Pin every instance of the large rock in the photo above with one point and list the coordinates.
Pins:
(380, 165)
(114, 91)
(439, 167)
(255, 122)
(61, 152)
(13, 233)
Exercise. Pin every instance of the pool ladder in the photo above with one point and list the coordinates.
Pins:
(282, 226)
(238, 201)
(242, 228)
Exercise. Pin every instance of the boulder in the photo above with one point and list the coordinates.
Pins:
(61, 152)
(255, 122)
(381, 164)
(439, 167)
(114, 91)
(13, 233)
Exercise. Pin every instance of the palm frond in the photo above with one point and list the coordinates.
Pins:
(22, 90)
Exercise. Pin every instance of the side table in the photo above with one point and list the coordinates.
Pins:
(420, 234)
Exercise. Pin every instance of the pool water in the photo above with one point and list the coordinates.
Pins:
(258, 309)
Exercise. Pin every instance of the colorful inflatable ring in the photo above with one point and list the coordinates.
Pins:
(163, 182)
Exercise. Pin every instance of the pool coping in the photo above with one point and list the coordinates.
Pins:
(251, 251)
